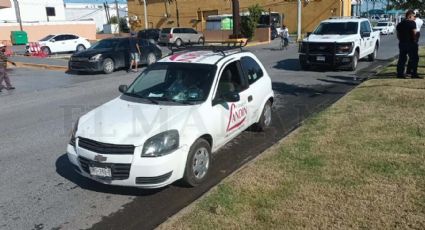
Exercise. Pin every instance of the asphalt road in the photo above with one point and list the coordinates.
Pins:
(39, 189)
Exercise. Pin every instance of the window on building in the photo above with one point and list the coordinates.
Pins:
(50, 11)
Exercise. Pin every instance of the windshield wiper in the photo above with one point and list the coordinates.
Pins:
(151, 100)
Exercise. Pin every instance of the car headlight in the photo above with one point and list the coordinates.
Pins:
(161, 144)
(344, 48)
(96, 57)
(73, 132)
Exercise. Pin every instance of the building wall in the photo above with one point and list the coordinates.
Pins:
(192, 13)
(37, 31)
(34, 10)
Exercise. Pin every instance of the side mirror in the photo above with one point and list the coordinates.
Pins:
(365, 34)
(123, 88)
(52, 40)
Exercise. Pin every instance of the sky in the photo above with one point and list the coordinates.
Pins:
(94, 1)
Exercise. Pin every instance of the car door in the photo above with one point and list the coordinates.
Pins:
(66, 44)
(257, 83)
(72, 42)
(192, 35)
(365, 40)
(231, 117)
(121, 54)
(57, 44)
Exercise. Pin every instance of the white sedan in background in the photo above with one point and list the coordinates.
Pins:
(62, 43)
(385, 27)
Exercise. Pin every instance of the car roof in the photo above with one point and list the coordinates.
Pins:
(345, 20)
(199, 56)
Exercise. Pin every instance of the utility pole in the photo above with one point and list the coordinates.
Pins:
(146, 14)
(236, 19)
(18, 14)
(299, 20)
(177, 14)
(118, 16)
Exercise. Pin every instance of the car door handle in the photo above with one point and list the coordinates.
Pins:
(250, 98)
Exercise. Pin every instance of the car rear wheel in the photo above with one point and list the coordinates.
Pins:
(201, 41)
(46, 50)
(178, 42)
(108, 66)
(81, 48)
(198, 163)
(354, 62)
(150, 59)
(265, 119)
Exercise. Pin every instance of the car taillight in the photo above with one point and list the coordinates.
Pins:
(170, 35)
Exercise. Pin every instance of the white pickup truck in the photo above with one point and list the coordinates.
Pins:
(339, 42)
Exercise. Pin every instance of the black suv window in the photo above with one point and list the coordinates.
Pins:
(251, 69)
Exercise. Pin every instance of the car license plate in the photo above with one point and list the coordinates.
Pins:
(100, 171)
(320, 58)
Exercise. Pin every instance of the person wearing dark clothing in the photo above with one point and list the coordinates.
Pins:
(3, 66)
(406, 34)
(134, 53)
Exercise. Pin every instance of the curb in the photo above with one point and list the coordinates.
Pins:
(257, 43)
(42, 66)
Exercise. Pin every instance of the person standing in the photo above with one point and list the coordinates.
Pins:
(419, 22)
(284, 36)
(3, 66)
(134, 53)
(406, 34)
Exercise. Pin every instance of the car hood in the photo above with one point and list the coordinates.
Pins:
(330, 38)
(91, 52)
(124, 122)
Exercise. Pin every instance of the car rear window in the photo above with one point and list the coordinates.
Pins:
(166, 30)
(382, 24)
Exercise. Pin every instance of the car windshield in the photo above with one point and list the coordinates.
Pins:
(382, 24)
(48, 37)
(337, 28)
(104, 44)
(166, 30)
(181, 83)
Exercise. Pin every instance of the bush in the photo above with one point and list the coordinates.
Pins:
(248, 24)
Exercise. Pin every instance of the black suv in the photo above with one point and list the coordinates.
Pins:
(149, 34)
(110, 54)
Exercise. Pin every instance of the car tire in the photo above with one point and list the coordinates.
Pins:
(150, 59)
(198, 163)
(265, 119)
(80, 48)
(354, 62)
(46, 50)
(372, 56)
(201, 41)
(108, 66)
(178, 42)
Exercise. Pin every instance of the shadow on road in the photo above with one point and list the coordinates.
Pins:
(65, 169)
(311, 91)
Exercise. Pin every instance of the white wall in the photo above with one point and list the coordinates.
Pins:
(94, 12)
(34, 10)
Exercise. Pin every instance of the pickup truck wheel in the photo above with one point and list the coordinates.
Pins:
(198, 163)
(265, 119)
(372, 56)
(108, 66)
(354, 62)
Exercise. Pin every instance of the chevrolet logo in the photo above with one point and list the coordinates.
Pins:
(100, 158)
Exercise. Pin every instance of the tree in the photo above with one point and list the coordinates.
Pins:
(409, 4)
(249, 24)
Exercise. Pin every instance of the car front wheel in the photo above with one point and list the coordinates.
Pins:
(81, 48)
(108, 66)
(198, 163)
(46, 50)
(354, 62)
(372, 56)
(150, 59)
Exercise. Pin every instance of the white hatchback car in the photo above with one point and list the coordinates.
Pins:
(166, 124)
(62, 43)
(385, 27)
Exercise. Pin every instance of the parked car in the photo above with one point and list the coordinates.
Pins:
(149, 34)
(110, 54)
(179, 36)
(168, 122)
(384, 27)
(62, 43)
(340, 42)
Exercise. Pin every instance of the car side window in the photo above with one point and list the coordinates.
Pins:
(252, 70)
(60, 38)
(71, 37)
(367, 26)
(177, 31)
(231, 80)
